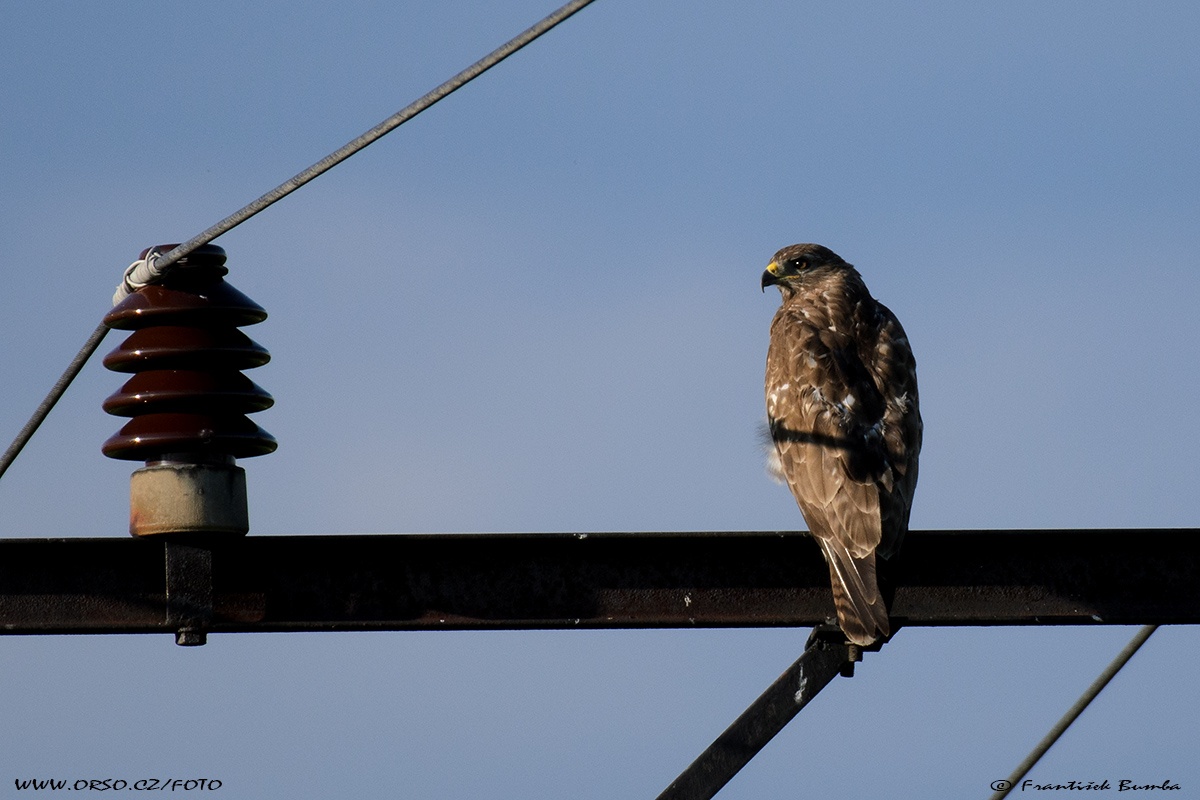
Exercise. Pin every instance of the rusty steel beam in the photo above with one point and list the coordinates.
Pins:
(598, 580)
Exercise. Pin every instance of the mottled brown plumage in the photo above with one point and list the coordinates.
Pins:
(842, 411)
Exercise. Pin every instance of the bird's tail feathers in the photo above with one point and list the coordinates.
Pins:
(860, 608)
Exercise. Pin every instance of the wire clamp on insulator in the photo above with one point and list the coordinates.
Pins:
(140, 274)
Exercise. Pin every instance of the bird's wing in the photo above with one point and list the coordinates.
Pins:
(823, 410)
(888, 357)
(824, 413)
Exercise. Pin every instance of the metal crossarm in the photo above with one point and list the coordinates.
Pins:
(598, 580)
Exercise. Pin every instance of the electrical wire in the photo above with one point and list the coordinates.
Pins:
(52, 397)
(1006, 786)
(281, 191)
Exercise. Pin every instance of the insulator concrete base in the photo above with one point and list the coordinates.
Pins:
(188, 498)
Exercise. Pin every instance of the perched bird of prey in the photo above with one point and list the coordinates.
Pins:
(844, 423)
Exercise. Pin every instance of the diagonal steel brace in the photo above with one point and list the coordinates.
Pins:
(826, 655)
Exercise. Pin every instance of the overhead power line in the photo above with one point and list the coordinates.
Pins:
(281, 191)
(1006, 786)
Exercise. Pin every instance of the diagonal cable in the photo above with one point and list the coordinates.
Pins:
(1006, 786)
(281, 191)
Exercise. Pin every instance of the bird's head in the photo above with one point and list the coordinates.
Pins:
(794, 263)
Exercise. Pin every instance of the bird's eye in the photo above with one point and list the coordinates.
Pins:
(798, 264)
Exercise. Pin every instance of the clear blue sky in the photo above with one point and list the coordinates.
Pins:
(536, 308)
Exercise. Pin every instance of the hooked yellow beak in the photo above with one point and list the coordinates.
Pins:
(770, 275)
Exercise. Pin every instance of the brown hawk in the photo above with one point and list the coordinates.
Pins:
(844, 423)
